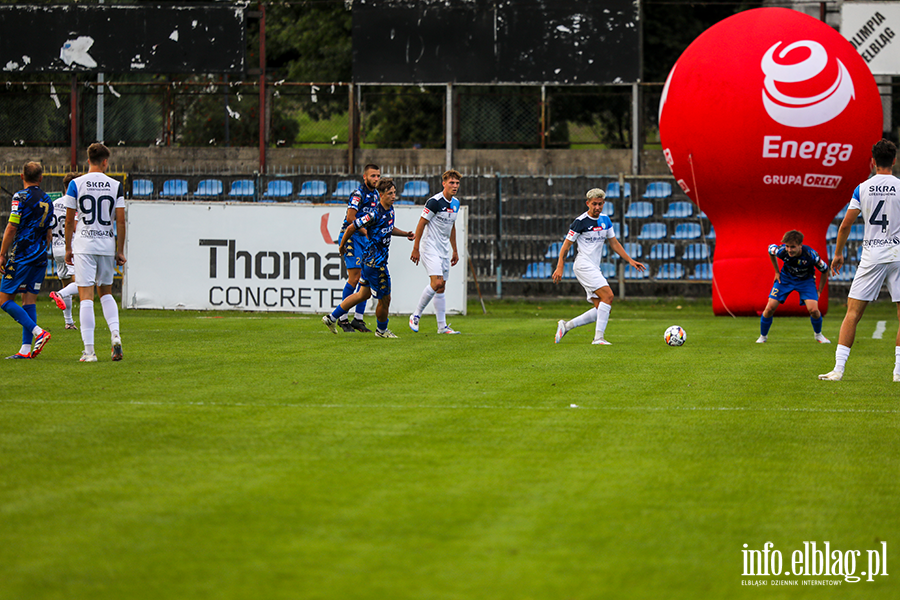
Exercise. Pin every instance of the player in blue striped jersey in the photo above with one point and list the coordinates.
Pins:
(23, 258)
(375, 279)
(590, 231)
(798, 272)
(362, 200)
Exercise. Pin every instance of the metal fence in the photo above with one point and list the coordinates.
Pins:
(215, 111)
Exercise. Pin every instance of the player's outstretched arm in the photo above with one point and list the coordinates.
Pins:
(617, 247)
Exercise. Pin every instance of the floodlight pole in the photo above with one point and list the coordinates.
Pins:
(449, 132)
(262, 87)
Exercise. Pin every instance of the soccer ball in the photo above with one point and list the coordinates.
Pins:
(675, 336)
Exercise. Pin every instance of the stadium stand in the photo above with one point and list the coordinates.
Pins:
(658, 190)
(703, 271)
(856, 232)
(632, 273)
(609, 209)
(312, 189)
(209, 188)
(141, 188)
(608, 270)
(847, 273)
(696, 252)
(416, 188)
(568, 271)
(541, 270)
(639, 210)
(670, 271)
(831, 234)
(617, 230)
(174, 188)
(679, 210)
(554, 249)
(652, 231)
(613, 191)
(278, 189)
(662, 251)
(344, 189)
(687, 231)
(242, 189)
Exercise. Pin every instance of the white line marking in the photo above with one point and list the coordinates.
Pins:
(880, 327)
(745, 409)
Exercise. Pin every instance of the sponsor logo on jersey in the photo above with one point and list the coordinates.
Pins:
(99, 184)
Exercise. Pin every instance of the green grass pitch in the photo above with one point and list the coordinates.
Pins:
(238, 456)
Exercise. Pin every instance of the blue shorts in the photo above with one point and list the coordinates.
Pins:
(806, 288)
(377, 279)
(353, 253)
(28, 277)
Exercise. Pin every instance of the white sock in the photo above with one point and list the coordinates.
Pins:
(602, 319)
(37, 331)
(440, 309)
(841, 354)
(67, 312)
(25, 349)
(897, 360)
(424, 299)
(110, 313)
(582, 319)
(86, 316)
(69, 291)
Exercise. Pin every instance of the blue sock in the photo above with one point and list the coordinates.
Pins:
(348, 289)
(19, 314)
(382, 325)
(361, 309)
(31, 311)
(338, 312)
(765, 324)
(817, 324)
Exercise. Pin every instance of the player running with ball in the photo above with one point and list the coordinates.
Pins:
(591, 230)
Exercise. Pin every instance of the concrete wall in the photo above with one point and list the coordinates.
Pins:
(246, 160)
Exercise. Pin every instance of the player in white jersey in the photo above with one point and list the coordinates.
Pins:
(591, 230)
(97, 202)
(65, 272)
(878, 200)
(435, 245)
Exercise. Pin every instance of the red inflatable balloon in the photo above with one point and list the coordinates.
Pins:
(767, 122)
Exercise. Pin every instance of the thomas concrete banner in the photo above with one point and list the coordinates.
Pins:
(262, 257)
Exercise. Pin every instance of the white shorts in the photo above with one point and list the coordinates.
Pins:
(439, 266)
(591, 279)
(869, 278)
(63, 271)
(94, 269)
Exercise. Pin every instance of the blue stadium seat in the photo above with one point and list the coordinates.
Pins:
(687, 231)
(653, 231)
(314, 188)
(831, 234)
(632, 273)
(703, 272)
(658, 189)
(174, 188)
(608, 270)
(847, 273)
(696, 252)
(209, 188)
(662, 251)
(712, 233)
(679, 210)
(613, 191)
(568, 271)
(670, 271)
(616, 230)
(541, 270)
(639, 210)
(832, 247)
(242, 189)
(856, 232)
(858, 252)
(141, 188)
(416, 188)
(609, 209)
(554, 249)
(278, 189)
(633, 249)
(842, 212)
(345, 188)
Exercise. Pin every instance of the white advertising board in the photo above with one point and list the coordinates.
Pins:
(262, 257)
(872, 28)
